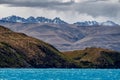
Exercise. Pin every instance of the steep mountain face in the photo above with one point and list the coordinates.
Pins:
(20, 50)
(95, 58)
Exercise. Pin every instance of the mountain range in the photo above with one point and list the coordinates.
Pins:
(65, 36)
(56, 20)
(32, 19)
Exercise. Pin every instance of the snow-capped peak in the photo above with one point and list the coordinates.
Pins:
(87, 23)
(32, 19)
(57, 20)
(13, 18)
(95, 23)
(108, 23)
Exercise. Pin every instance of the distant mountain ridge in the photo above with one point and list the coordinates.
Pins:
(95, 23)
(32, 19)
(56, 20)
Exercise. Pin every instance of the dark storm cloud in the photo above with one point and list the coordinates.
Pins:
(98, 0)
(94, 8)
(98, 9)
(35, 3)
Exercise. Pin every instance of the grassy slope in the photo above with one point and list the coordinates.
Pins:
(94, 58)
(20, 50)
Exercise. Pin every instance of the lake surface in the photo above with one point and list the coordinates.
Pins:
(59, 74)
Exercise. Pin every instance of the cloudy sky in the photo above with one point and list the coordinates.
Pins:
(68, 10)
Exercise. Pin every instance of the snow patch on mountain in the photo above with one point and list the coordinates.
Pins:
(56, 20)
(108, 23)
(32, 19)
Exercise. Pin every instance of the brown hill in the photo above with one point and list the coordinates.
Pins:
(20, 50)
(94, 58)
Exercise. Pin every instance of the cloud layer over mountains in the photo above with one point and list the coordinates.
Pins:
(88, 9)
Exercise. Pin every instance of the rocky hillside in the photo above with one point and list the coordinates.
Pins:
(20, 50)
(94, 58)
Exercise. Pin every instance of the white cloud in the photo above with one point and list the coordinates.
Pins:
(78, 10)
(66, 0)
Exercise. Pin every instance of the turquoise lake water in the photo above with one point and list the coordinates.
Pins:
(59, 74)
